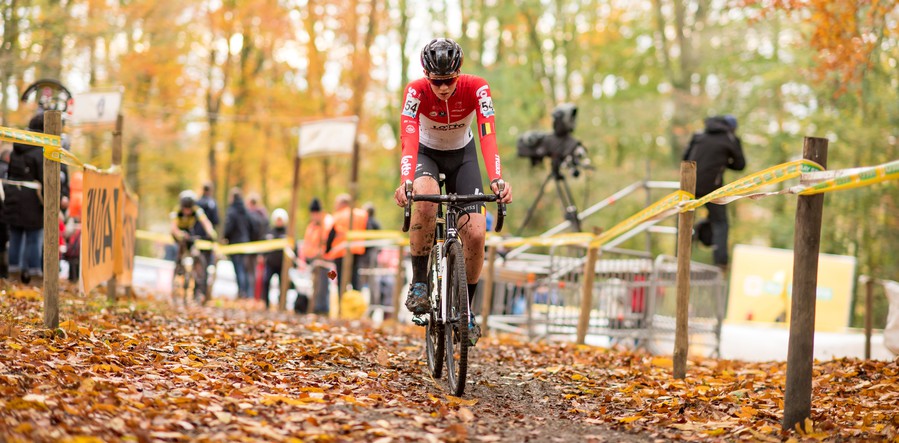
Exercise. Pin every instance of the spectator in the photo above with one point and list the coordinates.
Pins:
(4, 230)
(210, 207)
(237, 230)
(370, 258)
(23, 208)
(258, 230)
(714, 150)
(337, 237)
(313, 252)
(274, 260)
(207, 203)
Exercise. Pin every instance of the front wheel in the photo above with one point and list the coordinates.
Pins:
(434, 346)
(456, 330)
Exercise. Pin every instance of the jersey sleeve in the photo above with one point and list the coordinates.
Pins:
(409, 127)
(487, 130)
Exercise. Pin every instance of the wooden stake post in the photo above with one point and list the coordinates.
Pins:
(111, 294)
(487, 305)
(684, 254)
(52, 125)
(807, 242)
(291, 236)
(583, 321)
(869, 304)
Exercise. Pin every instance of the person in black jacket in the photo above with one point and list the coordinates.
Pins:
(23, 206)
(715, 149)
(237, 230)
(274, 260)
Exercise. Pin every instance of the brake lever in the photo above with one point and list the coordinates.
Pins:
(407, 210)
(500, 207)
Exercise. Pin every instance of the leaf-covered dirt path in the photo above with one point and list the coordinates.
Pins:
(140, 371)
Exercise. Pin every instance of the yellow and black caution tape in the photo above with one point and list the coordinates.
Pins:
(857, 178)
(52, 144)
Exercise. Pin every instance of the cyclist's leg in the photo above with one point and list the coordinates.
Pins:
(466, 179)
(421, 232)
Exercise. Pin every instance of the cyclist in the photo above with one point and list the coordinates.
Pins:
(189, 223)
(436, 122)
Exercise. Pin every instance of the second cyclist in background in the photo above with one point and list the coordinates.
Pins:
(436, 127)
(189, 223)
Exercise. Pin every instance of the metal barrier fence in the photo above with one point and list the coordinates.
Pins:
(633, 300)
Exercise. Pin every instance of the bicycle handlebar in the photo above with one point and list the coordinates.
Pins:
(452, 198)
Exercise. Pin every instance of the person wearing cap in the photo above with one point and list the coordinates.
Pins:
(313, 250)
(715, 149)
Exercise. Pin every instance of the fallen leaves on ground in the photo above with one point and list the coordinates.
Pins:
(144, 371)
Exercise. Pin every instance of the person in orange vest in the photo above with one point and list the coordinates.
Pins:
(335, 247)
(313, 251)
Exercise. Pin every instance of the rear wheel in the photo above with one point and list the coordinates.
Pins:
(434, 345)
(456, 331)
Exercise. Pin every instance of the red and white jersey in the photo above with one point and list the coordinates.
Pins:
(446, 125)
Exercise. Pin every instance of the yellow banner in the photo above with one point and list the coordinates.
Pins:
(256, 247)
(761, 286)
(657, 209)
(129, 226)
(101, 227)
(50, 143)
(865, 177)
(770, 176)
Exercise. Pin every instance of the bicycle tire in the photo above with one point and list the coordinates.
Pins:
(456, 328)
(434, 344)
(199, 265)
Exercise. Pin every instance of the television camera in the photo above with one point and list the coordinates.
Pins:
(565, 152)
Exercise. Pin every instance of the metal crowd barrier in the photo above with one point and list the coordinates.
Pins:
(633, 301)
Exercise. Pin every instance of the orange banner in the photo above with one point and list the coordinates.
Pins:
(101, 241)
(129, 229)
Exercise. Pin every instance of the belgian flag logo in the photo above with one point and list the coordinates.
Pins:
(486, 129)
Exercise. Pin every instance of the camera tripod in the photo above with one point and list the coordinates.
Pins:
(567, 200)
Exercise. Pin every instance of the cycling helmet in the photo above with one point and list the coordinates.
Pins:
(279, 214)
(441, 57)
(188, 198)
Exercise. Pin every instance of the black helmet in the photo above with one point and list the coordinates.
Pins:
(441, 56)
(188, 198)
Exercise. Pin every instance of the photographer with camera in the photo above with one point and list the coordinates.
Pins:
(436, 125)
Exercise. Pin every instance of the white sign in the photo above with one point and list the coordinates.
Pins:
(96, 107)
(328, 137)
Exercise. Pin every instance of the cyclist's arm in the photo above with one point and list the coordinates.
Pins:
(487, 131)
(409, 127)
(176, 231)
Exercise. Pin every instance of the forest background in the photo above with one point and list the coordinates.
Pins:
(215, 89)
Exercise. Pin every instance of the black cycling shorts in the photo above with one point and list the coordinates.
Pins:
(460, 166)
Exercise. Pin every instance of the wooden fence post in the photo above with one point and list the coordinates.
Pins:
(487, 303)
(807, 242)
(52, 125)
(684, 254)
(111, 286)
(869, 304)
(399, 283)
(583, 321)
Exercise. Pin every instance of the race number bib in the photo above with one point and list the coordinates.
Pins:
(486, 105)
(410, 108)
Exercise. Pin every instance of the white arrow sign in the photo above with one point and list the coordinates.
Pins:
(96, 107)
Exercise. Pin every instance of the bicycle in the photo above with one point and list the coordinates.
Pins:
(447, 323)
(190, 268)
